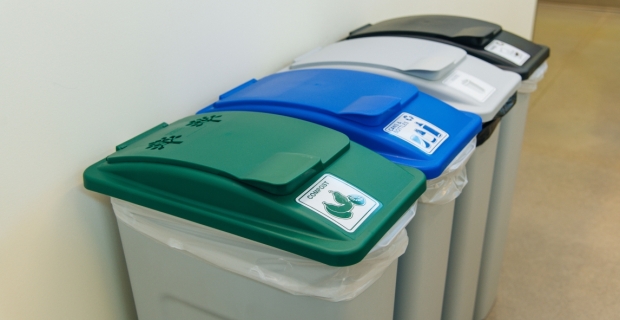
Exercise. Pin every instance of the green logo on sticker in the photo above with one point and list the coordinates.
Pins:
(345, 206)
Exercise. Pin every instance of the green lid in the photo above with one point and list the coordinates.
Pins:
(281, 181)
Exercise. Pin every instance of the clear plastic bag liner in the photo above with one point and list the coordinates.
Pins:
(452, 180)
(274, 267)
(394, 231)
(530, 84)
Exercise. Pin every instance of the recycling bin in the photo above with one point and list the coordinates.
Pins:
(406, 126)
(466, 83)
(507, 51)
(245, 215)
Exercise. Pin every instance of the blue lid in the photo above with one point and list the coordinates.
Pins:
(389, 116)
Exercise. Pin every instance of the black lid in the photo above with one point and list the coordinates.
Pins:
(477, 37)
(466, 31)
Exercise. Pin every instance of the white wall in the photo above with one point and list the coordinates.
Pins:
(79, 77)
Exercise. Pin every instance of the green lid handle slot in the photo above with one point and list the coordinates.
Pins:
(276, 158)
(283, 172)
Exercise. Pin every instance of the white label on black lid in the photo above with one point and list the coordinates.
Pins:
(417, 132)
(469, 85)
(339, 202)
(508, 52)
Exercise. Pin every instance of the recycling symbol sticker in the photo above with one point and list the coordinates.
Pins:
(417, 132)
(338, 201)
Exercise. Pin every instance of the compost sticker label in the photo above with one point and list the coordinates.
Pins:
(339, 202)
(508, 52)
(469, 85)
(417, 132)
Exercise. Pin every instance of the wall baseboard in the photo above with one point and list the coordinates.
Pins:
(593, 3)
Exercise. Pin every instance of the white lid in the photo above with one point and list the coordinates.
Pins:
(418, 58)
(443, 71)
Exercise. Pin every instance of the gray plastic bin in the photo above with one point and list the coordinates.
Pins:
(468, 84)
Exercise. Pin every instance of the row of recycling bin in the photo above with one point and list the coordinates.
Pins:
(371, 179)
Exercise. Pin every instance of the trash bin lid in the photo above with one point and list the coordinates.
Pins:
(284, 182)
(466, 83)
(389, 116)
(482, 39)
(423, 59)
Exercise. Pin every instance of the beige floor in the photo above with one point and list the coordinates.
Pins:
(563, 251)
